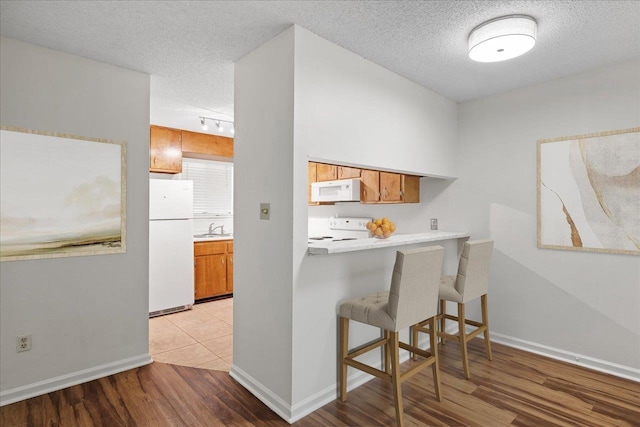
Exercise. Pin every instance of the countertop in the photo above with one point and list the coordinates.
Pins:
(211, 238)
(329, 247)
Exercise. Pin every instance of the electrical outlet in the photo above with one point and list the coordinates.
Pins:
(23, 343)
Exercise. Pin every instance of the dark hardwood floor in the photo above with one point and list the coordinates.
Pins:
(516, 388)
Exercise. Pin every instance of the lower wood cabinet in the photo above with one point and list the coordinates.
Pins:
(213, 264)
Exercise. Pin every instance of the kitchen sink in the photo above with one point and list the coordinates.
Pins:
(213, 235)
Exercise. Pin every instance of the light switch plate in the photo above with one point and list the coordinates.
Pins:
(434, 223)
(265, 210)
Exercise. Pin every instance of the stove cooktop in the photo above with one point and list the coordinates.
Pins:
(331, 238)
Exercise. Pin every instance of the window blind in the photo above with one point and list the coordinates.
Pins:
(212, 186)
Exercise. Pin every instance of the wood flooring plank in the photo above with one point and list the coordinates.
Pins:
(516, 388)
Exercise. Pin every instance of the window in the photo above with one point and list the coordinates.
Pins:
(212, 186)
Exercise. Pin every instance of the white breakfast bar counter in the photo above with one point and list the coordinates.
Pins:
(324, 247)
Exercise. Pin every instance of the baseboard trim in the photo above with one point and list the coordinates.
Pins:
(58, 383)
(569, 357)
(266, 396)
(293, 413)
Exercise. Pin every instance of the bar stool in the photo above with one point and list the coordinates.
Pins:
(471, 282)
(413, 296)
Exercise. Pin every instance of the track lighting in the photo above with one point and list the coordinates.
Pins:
(218, 123)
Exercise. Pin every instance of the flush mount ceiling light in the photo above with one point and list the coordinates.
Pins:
(217, 122)
(502, 38)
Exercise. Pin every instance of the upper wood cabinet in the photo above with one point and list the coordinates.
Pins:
(375, 186)
(167, 145)
(203, 143)
(369, 186)
(345, 172)
(165, 150)
(410, 189)
(326, 172)
(390, 189)
(313, 169)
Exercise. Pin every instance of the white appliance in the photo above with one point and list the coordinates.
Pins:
(336, 229)
(171, 284)
(341, 190)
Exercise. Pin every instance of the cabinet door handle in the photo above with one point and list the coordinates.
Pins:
(222, 261)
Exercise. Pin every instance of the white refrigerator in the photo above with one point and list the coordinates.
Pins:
(171, 286)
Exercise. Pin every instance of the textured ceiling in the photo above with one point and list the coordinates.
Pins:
(189, 48)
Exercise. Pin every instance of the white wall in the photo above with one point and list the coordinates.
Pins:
(263, 163)
(352, 111)
(87, 315)
(573, 302)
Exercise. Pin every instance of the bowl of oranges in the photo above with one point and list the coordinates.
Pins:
(381, 228)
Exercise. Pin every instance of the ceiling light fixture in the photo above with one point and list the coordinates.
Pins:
(218, 123)
(502, 38)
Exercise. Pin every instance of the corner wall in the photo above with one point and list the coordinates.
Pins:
(88, 315)
(577, 306)
(263, 168)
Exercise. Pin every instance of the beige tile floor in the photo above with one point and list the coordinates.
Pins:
(200, 337)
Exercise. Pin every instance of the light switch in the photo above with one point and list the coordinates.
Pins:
(434, 223)
(265, 210)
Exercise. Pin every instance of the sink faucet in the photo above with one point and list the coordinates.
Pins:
(212, 230)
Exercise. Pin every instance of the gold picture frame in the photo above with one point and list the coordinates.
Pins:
(61, 195)
(589, 192)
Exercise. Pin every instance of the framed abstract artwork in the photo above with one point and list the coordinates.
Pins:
(589, 192)
(60, 195)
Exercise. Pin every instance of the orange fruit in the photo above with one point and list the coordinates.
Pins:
(385, 227)
(392, 227)
(369, 224)
(378, 232)
(386, 234)
(378, 221)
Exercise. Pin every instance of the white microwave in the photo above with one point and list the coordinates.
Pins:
(342, 190)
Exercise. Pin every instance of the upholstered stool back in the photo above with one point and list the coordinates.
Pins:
(414, 286)
(472, 280)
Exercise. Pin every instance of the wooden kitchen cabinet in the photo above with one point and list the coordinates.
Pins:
(375, 186)
(165, 150)
(345, 172)
(230, 267)
(325, 172)
(410, 189)
(390, 188)
(369, 186)
(204, 143)
(313, 169)
(213, 275)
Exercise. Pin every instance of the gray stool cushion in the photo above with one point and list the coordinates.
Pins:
(371, 310)
(448, 290)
